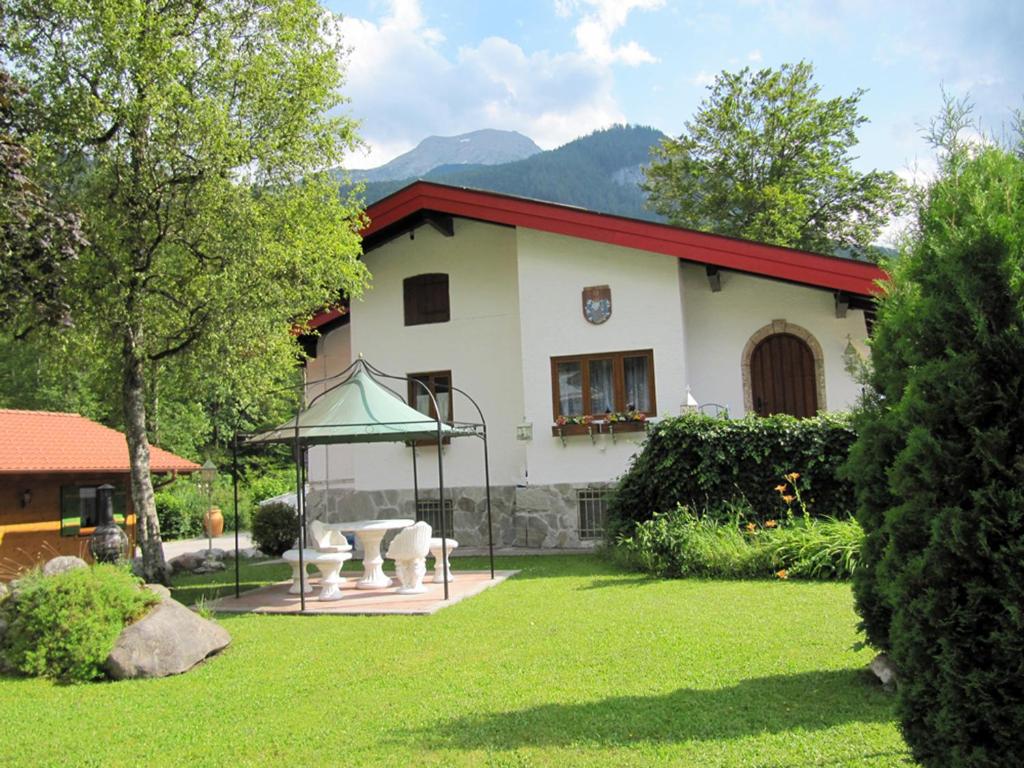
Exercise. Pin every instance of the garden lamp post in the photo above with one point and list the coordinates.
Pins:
(207, 477)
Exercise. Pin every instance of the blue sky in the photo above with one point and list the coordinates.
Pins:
(558, 69)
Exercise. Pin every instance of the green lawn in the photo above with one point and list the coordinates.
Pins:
(571, 663)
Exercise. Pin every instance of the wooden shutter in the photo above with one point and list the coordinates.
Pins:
(426, 299)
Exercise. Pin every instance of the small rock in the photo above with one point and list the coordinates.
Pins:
(250, 553)
(884, 670)
(170, 640)
(159, 589)
(62, 564)
(214, 554)
(210, 566)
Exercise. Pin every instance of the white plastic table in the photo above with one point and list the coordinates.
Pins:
(370, 533)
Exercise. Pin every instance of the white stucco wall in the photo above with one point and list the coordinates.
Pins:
(720, 324)
(333, 355)
(646, 314)
(515, 304)
(479, 345)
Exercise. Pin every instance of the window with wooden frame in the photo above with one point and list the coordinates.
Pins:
(426, 299)
(600, 385)
(439, 383)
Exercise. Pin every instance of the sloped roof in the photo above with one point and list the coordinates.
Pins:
(394, 214)
(47, 441)
(359, 409)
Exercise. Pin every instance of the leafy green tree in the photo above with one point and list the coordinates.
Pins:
(37, 238)
(940, 464)
(192, 137)
(767, 159)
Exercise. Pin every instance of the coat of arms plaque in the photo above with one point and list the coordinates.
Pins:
(597, 304)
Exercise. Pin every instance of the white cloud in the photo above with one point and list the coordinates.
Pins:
(755, 55)
(404, 87)
(600, 22)
(703, 79)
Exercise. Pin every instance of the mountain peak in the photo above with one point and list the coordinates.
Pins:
(484, 147)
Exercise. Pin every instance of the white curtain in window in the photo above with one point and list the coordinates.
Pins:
(570, 389)
(423, 403)
(602, 393)
(444, 405)
(637, 389)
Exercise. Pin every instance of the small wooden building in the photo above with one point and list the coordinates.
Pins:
(51, 465)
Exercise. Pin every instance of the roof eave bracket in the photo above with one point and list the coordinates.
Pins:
(714, 278)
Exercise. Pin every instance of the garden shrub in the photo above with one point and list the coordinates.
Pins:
(270, 485)
(703, 462)
(178, 518)
(65, 626)
(942, 461)
(275, 527)
(681, 543)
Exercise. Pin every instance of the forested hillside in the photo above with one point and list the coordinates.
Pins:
(600, 172)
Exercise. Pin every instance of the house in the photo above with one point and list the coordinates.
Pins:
(571, 329)
(51, 465)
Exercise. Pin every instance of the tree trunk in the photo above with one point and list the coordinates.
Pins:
(154, 566)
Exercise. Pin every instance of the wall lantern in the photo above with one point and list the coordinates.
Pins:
(26, 498)
(690, 404)
(524, 431)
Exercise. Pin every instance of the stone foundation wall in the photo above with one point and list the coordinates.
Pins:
(544, 516)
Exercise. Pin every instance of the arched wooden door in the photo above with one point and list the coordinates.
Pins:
(782, 378)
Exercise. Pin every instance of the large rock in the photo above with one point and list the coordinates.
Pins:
(63, 563)
(158, 589)
(884, 670)
(187, 562)
(170, 640)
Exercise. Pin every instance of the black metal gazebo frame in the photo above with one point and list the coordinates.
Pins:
(397, 431)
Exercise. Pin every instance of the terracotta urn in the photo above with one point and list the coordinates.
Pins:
(213, 522)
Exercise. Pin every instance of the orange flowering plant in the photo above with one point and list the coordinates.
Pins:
(790, 498)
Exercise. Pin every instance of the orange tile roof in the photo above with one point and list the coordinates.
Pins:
(45, 441)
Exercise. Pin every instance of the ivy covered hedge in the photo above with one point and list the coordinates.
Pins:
(706, 463)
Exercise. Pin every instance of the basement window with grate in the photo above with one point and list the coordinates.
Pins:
(592, 505)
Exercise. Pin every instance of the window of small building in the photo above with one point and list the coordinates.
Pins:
(609, 382)
(79, 509)
(426, 299)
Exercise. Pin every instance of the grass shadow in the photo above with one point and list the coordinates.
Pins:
(636, 580)
(776, 704)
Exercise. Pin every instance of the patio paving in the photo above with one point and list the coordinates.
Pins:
(361, 602)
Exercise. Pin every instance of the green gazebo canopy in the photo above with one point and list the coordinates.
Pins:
(358, 410)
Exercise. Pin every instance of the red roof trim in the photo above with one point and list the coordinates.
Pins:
(324, 317)
(771, 261)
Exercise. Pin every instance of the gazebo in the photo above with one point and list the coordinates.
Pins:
(356, 406)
